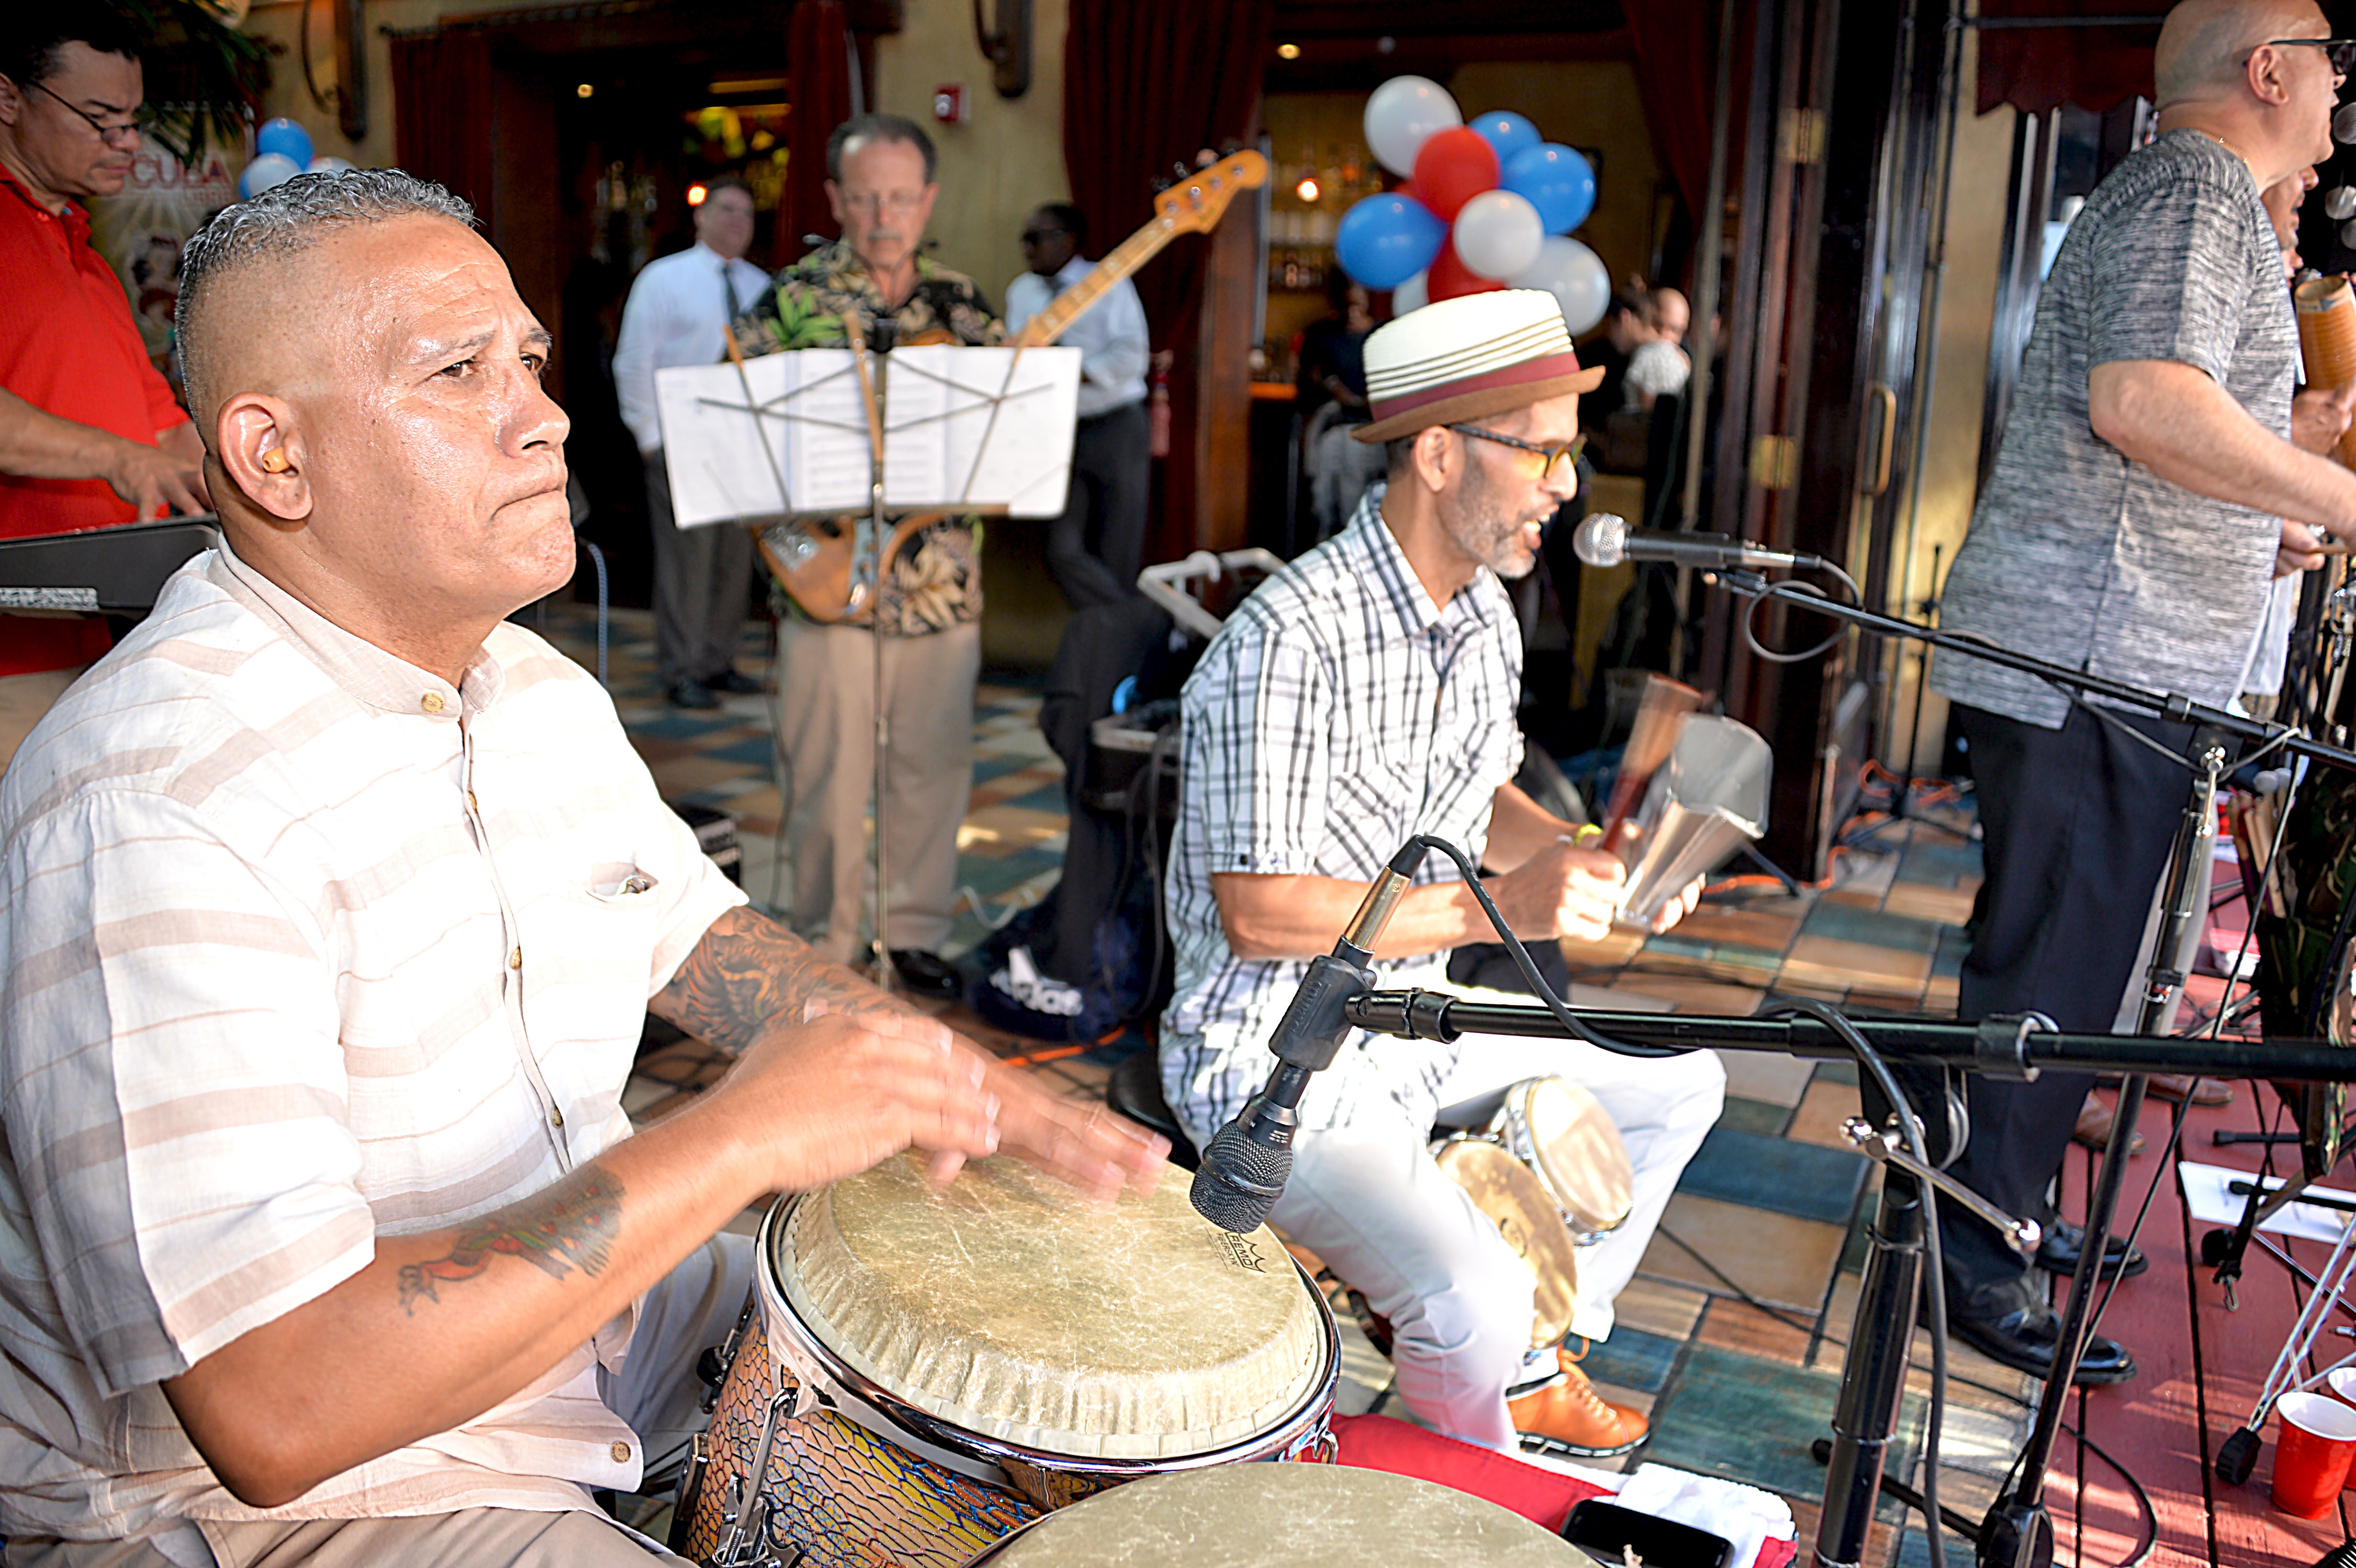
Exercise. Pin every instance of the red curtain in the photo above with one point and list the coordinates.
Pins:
(1675, 44)
(818, 49)
(1147, 83)
(2038, 69)
(441, 112)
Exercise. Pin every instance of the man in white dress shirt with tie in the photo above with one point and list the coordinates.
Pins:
(678, 311)
(1095, 548)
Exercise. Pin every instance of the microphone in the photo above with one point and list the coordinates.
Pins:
(1245, 1163)
(1605, 540)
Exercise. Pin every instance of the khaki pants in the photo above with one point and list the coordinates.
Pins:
(655, 1390)
(24, 699)
(826, 731)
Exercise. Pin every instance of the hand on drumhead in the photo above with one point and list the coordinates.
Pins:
(828, 1097)
(1084, 1143)
(2320, 416)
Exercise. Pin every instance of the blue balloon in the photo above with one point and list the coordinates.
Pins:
(1383, 240)
(286, 139)
(1505, 131)
(1557, 181)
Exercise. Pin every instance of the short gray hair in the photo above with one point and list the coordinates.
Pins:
(283, 221)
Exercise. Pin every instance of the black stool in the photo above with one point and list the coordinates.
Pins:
(1135, 1091)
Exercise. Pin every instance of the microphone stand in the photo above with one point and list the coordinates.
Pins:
(1873, 1372)
(2017, 1531)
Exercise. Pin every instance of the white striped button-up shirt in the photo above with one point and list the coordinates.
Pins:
(1338, 713)
(300, 944)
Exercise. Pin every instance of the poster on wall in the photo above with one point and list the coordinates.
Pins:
(141, 231)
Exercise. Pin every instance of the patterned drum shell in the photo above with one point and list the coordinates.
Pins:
(902, 1443)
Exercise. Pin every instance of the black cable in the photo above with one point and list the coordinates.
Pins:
(1522, 960)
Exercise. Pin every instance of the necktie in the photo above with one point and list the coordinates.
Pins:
(728, 287)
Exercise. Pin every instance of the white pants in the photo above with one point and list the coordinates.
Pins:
(1368, 1200)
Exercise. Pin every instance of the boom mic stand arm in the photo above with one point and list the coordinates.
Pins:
(1873, 1375)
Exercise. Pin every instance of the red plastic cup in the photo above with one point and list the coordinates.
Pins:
(2341, 1384)
(2311, 1458)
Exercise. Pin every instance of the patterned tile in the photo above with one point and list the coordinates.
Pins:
(1777, 1174)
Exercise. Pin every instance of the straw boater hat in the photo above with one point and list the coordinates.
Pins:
(1467, 359)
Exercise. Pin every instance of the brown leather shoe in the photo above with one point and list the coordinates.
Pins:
(2199, 1091)
(2093, 1128)
(1569, 1417)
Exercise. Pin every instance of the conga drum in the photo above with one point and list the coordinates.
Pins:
(1300, 1516)
(923, 1371)
(1527, 1214)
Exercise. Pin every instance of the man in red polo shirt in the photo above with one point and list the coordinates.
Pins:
(89, 434)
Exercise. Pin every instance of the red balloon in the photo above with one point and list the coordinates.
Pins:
(1454, 166)
(1450, 277)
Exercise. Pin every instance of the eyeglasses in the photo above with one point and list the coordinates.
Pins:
(2341, 52)
(899, 204)
(1554, 452)
(131, 127)
(1041, 236)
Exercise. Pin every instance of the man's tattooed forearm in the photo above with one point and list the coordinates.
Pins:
(748, 970)
(572, 1225)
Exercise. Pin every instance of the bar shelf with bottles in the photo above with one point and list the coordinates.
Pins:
(1313, 190)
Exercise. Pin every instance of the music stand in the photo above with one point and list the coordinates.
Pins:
(984, 431)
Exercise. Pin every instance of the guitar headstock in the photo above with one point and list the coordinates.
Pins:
(1196, 203)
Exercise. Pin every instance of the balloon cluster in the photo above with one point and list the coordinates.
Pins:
(281, 149)
(1487, 206)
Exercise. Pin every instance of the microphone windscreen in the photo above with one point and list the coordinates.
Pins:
(1602, 540)
(1239, 1181)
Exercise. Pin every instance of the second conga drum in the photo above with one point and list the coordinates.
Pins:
(927, 1370)
(1563, 1134)
(1299, 1516)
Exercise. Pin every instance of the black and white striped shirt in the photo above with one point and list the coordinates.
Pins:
(1336, 714)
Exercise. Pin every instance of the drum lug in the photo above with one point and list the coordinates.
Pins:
(690, 1489)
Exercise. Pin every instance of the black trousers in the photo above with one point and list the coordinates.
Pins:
(1095, 548)
(702, 581)
(2077, 823)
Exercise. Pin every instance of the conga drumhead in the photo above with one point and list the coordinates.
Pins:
(1577, 1151)
(1503, 1188)
(1008, 1306)
(1301, 1516)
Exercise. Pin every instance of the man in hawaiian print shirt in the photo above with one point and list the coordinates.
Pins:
(879, 180)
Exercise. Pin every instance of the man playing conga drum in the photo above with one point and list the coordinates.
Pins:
(1364, 695)
(329, 904)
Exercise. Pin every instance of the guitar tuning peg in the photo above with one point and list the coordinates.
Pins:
(1159, 185)
(1181, 170)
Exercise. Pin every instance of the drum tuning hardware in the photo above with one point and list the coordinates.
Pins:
(1887, 1147)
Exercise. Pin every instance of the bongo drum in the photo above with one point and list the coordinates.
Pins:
(923, 1371)
(1506, 1191)
(1302, 1516)
(1561, 1132)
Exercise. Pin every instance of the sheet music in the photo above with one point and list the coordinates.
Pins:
(963, 427)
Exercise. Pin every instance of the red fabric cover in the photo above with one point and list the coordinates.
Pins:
(1542, 1496)
(1675, 44)
(68, 346)
(2038, 69)
(818, 44)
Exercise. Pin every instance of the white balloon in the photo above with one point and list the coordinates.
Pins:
(2340, 203)
(1498, 234)
(269, 170)
(327, 164)
(1575, 275)
(1402, 115)
(1413, 294)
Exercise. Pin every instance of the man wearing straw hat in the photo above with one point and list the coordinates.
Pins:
(1364, 695)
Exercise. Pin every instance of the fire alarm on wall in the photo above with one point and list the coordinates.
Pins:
(950, 105)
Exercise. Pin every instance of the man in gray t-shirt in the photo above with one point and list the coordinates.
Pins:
(2135, 520)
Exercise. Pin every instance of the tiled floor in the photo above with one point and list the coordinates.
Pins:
(1731, 1337)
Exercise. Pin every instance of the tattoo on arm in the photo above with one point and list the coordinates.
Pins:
(749, 969)
(572, 1224)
